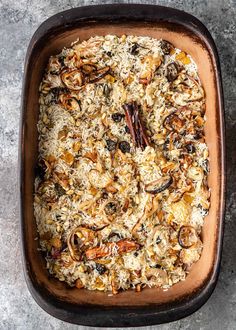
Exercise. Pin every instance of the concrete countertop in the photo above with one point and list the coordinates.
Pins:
(18, 21)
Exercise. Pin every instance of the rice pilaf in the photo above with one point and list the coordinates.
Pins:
(121, 187)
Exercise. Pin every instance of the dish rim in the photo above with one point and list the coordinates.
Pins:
(116, 316)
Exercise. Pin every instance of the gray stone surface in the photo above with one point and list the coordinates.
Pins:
(18, 21)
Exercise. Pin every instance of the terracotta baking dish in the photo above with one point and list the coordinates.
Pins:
(151, 306)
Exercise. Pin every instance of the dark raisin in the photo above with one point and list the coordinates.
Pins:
(166, 47)
(172, 71)
(59, 189)
(109, 53)
(111, 145)
(117, 117)
(158, 240)
(111, 208)
(190, 148)
(100, 268)
(124, 146)
(55, 94)
(104, 195)
(61, 59)
(166, 144)
(56, 91)
(115, 178)
(158, 266)
(198, 136)
(127, 130)
(134, 49)
(40, 170)
(135, 253)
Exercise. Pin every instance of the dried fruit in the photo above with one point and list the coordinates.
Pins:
(60, 190)
(117, 117)
(100, 268)
(124, 146)
(134, 49)
(111, 208)
(111, 145)
(127, 130)
(40, 169)
(166, 47)
(172, 71)
(68, 158)
(182, 57)
(190, 148)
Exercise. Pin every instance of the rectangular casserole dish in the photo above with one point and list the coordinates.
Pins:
(151, 306)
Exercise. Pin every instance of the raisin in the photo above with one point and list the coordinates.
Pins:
(134, 49)
(198, 136)
(56, 91)
(127, 130)
(61, 59)
(172, 71)
(190, 148)
(59, 189)
(117, 117)
(100, 268)
(111, 145)
(40, 170)
(110, 208)
(166, 47)
(124, 146)
(158, 266)
(104, 195)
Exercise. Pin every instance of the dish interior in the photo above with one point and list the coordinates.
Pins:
(200, 272)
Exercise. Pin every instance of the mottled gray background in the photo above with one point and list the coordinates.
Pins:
(18, 21)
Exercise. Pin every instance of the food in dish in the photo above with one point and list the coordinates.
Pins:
(121, 187)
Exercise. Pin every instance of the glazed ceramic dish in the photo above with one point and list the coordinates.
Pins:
(151, 305)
